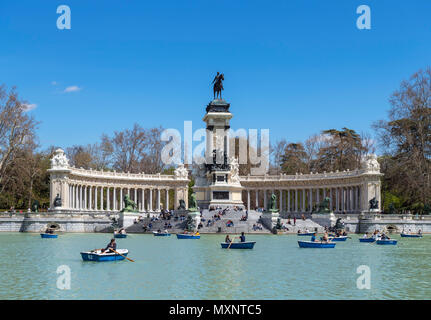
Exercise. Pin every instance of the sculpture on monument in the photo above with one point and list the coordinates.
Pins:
(181, 172)
(182, 205)
(59, 160)
(339, 225)
(35, 206)
(234, 164)
(374, 204)
(273, 203)
(218, 85)
(57, 201)
(192, 203)
(129, 205)
(324, 206)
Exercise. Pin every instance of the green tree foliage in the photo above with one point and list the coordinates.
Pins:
(406, 140)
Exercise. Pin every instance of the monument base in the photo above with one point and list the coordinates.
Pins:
(324, 219)
(127, 219)
(269, 219)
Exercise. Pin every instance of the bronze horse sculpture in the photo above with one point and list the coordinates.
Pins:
(218, 85)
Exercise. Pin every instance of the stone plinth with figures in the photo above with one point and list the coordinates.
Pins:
(217, 181)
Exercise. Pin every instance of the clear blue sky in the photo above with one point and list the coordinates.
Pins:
(296, 67)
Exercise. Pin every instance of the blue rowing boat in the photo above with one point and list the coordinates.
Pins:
(311, 244)
(387, 242)
(340, 238)
(403, 235)
(367, 240)
(187, 236)
(161, 234)
(238, 245)
(98, 256)
(305, 234)
(120, 235)
(49, 235)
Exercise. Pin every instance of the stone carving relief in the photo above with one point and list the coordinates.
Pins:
(59, 160)
(234, 170)
(370, 163)
(181, 172)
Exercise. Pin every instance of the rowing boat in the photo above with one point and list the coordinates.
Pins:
(305, 234)
(187, 236)
(120, 235)
(98, 256)
(367, 240)
(311, 244)
(403, 235)
(161, 234)
(340, 238)
(387, 242)
(49, 235)
(238, 245)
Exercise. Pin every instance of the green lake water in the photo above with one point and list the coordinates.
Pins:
(168, 268)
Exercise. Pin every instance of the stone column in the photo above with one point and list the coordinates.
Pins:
(158, 199)
(324, 193)
(257, 198)
(186, 197)
(167, 199)
(176, 200)
(281, 200)
(310, 200)
(96, 207)
(318, 195)
(80, 197)
(303, 201)
(136, 196)
(114, 199)
(264, 200)
(108, 204)
(91, 198)
(296, 200)
(288, 200)
(248, 200)
(330, 200)
(151, 200)
(343, 199)
(101, 199)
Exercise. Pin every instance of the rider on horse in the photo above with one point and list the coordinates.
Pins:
(218, 85)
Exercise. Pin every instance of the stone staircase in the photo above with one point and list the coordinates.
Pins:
(302, 225)
(220, 226)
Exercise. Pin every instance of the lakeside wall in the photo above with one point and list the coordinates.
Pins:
(102, 222)
(67, 222)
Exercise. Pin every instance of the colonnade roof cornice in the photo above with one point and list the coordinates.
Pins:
(118, 176)
(311, 176)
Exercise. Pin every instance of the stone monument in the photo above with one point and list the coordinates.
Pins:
(271, 216)
(194, 216)
(217, 181)
(129, 213)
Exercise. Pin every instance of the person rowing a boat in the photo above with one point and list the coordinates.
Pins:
(227, 239)
(313, 237)
(325, 237)
(242, 237)
(110, 247)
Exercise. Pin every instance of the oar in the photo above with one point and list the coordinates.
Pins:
(122, 255)
(231, 242)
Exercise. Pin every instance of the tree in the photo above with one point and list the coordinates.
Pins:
(406, 139)
(343, 150)
(294, 159)
(17, 131)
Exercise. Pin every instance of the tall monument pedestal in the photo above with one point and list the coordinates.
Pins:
(127, 219)
(217, 182)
